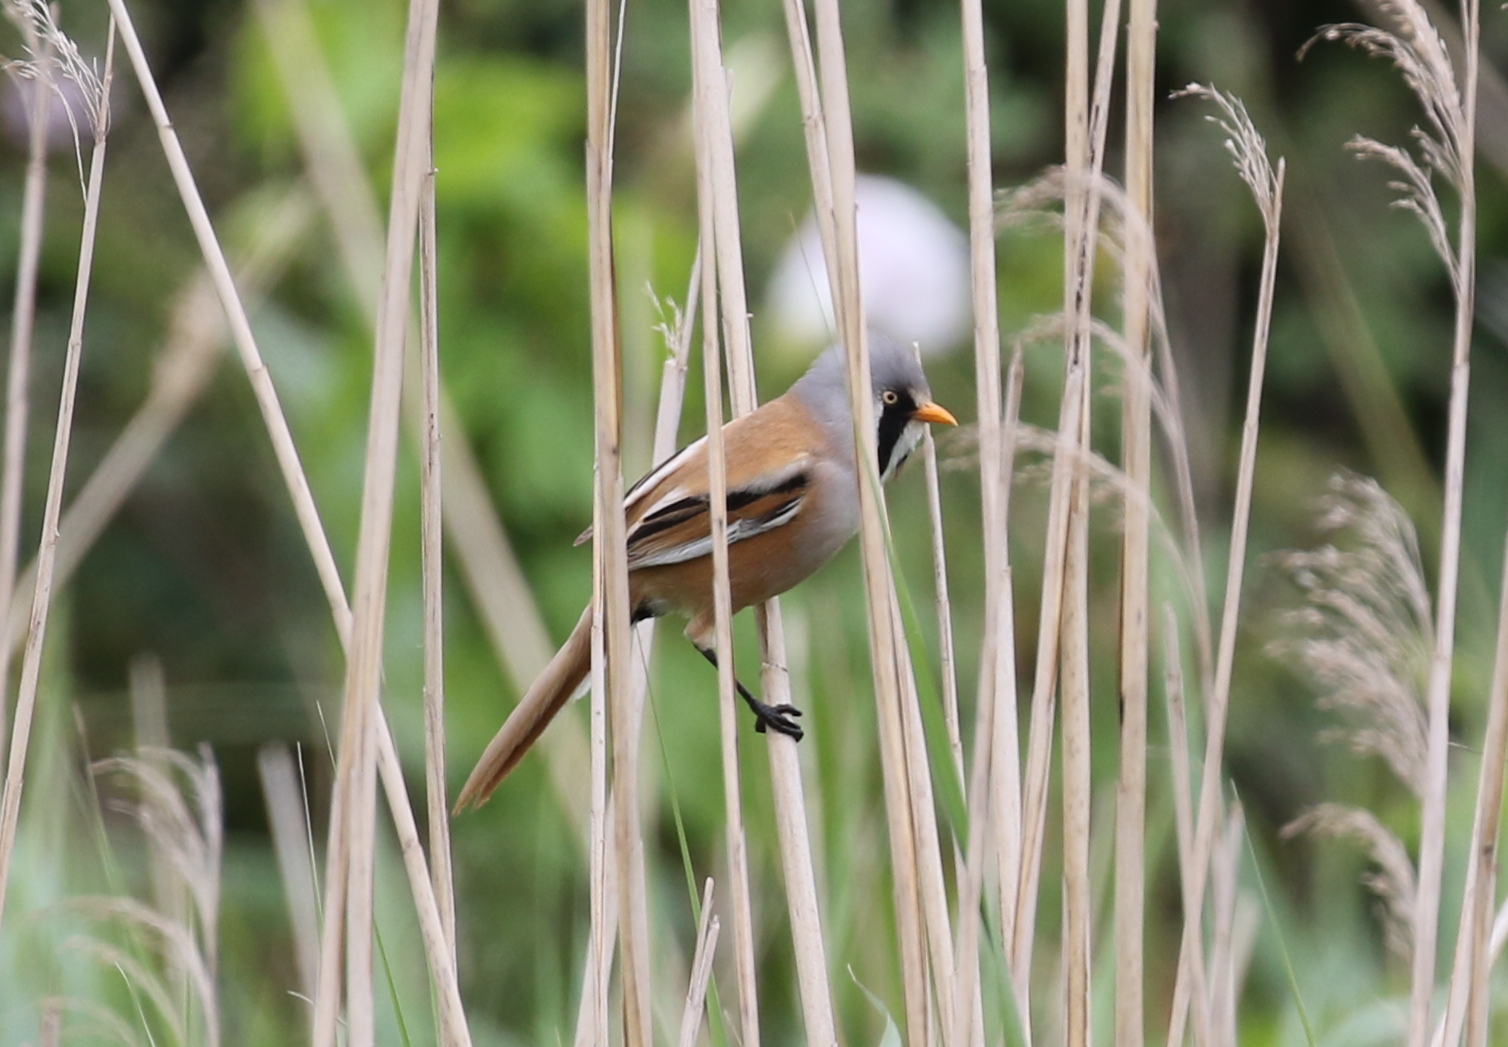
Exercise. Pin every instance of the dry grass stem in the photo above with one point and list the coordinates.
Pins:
(487, 563)
(1183, 818)
(612, 666)
(1469, 995)
(995, 698)
(41, 605)
(22, 326)
(831, 158)
(947, 657)
(1225, 881)
(357, 758)
(716, 157)
(439, 946)
(433, 575)
(737, 844)
(1136, 454)
(1447, 145)
(994, 783)
(723, 296)
(1249, 152)
(701, 970)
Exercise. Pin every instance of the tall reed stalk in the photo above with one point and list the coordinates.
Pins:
(1447, 91)
(1136, 459)
(22, 326)
(96, 91)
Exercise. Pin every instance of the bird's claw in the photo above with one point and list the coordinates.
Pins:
(780, 718)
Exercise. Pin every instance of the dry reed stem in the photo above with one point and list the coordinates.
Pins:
(1224, 878)
(986, 364)
(290, 843)
(509, 614)
(1005, 737)
(439, 949)
(488, 566)
(722, 271)
(814, 128)
(1468, 999)
(965, 1014)
(22, 327)
(1432, 831)
(592, 1026)
(701, 970)
(1183, 807)
(996, 768)
(791, 822)
(716, 154)
(737, 843)
(240, 327)
(613, 666)
(1266, 184)
(889, 658)
(357, 759)
(947, 657)
(994, 790)
(1136, 457)
(1043, 703)
(432, 565)
(1077, 764)
(31, 655)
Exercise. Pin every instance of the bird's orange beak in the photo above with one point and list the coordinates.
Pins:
(934, 413)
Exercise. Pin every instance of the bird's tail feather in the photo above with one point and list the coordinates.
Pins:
(532, 715)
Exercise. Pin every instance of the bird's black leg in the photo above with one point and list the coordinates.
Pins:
(776, 716)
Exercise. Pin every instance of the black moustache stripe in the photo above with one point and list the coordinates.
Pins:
(893, 420)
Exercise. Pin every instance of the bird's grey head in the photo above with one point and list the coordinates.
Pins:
(902, 400)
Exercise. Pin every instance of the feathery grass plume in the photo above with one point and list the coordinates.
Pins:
(1447, 143)
(1122, 235)
(179, 808)
(103, 1022)
(177, 949)
(54, 55)
(1393, 879)
(1364, 634)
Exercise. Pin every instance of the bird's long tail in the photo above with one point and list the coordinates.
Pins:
(532, 715)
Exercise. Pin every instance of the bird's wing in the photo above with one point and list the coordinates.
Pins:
(769, 475)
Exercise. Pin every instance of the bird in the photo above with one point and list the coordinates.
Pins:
(792, 503)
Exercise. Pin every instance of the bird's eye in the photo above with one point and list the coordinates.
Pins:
(890, 397)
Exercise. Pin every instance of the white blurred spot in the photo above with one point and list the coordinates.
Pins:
(913, 268)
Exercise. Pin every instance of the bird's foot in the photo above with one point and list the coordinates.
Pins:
(780, 717)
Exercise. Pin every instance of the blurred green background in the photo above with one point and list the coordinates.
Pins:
(205, 567)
